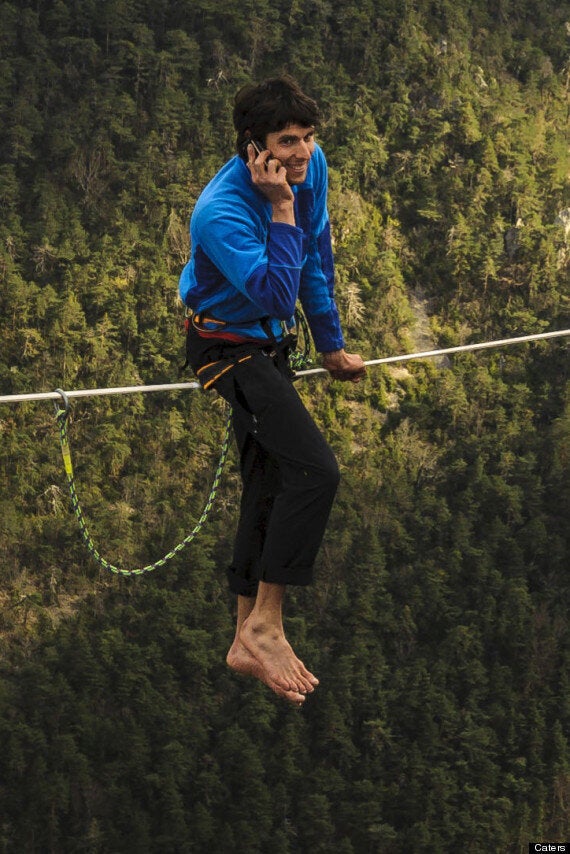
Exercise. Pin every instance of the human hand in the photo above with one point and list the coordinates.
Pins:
(344, 366)
(270, 177)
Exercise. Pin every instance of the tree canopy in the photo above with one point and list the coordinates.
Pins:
(438, 623)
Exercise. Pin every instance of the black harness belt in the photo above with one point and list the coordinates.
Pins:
(213, 357)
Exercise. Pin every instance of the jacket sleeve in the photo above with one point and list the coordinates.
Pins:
(317, 281)
(265, 266)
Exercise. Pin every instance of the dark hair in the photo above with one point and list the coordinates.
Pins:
(262, 108)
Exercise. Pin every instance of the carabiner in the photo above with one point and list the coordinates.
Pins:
(58, 410)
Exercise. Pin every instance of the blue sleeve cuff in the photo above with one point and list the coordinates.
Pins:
(285, 245)
(326, 331)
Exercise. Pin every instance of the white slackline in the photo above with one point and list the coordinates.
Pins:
(137, 389)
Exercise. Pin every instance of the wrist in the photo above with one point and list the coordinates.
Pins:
(283, 212)
(334, 357)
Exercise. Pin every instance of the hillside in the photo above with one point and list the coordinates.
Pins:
(438, 624)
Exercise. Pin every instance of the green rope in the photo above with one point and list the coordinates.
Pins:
(61, 416)
(300, 358)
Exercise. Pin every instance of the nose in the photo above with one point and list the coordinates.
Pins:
(304, 149)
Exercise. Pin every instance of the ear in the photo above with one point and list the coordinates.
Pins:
(244, 144)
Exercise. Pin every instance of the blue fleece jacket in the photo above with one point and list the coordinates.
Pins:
(244, 267)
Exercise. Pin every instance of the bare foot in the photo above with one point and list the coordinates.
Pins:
(274, 653)
(243, 662)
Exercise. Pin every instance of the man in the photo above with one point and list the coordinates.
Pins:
(261, 240)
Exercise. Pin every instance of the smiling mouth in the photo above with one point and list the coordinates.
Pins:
(297, 172)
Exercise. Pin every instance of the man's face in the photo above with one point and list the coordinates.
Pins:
(293, 146)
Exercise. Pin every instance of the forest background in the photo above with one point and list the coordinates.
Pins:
(438, 623)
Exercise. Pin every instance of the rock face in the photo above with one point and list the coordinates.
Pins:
(421, 334)
(511, 239)
(563, 219)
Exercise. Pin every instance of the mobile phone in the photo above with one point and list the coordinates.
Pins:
(256, 144)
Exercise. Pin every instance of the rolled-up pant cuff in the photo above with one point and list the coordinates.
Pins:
(248, 586)
(241, 586)
(299, 576)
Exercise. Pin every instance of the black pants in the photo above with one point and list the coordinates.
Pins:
(289, 473)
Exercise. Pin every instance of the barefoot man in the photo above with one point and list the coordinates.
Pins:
(260, 241)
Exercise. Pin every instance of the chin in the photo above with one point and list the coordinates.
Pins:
(297, 178)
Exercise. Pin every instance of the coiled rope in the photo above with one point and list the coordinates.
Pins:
(61, 417)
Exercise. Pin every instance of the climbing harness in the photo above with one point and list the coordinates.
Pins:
(293, 348)
(61, 417)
